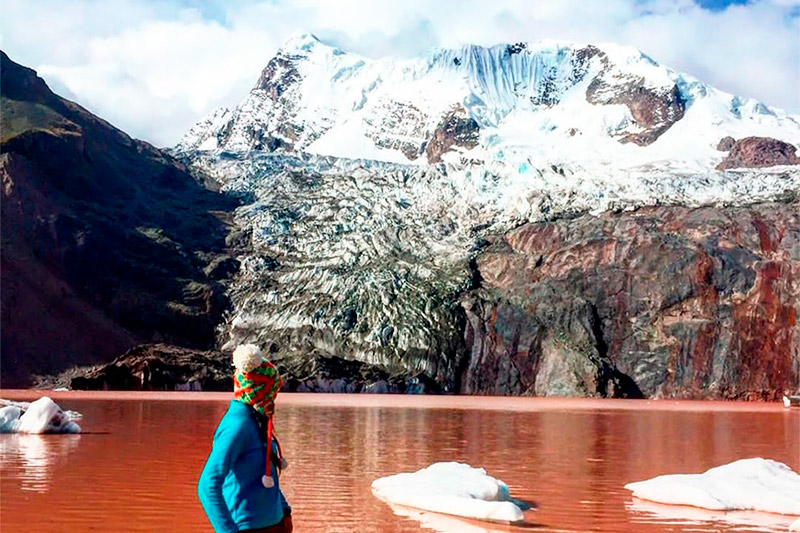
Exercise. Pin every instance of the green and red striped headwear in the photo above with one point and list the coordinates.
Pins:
(258, 388)
(256, 383)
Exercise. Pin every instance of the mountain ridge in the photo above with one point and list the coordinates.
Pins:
(551, 102)
(107, 242)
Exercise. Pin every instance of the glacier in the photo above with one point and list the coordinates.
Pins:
(370, 186)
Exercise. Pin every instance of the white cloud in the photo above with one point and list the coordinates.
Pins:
(154, 68)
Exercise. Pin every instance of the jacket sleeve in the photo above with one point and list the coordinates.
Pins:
(226, 448)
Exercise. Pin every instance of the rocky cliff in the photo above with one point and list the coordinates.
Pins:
(662, 302)
(106, 241)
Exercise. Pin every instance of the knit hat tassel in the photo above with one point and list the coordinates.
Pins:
(267, 480)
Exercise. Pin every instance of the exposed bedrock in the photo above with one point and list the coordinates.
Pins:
(663, 302)
(168, 367)
(757, 152)
(455, 129)
(654, 109)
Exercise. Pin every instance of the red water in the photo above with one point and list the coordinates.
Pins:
(136, 465)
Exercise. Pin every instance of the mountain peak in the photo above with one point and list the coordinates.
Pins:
(300, 42)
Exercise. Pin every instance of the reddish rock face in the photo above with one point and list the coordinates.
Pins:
(652, 110)
(663, 302)
(759, 152)
(455, 129)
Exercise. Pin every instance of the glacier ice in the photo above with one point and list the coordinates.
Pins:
(41, 416)
(754, 484)
(452, 489)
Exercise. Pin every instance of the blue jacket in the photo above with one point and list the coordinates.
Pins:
(230, 487)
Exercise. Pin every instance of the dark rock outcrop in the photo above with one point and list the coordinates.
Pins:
(321, 373)
(407, 124)
(170, 368)
(726, 143)
(104, 238)
(663, 302)
(654, 110)
(455, 129)
(759, 152)
(151, 367)
(278, 76)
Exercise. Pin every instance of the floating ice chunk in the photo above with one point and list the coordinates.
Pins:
(795, 526)
(748, 484)
(41, 416)
(9, 418)
(451, 488)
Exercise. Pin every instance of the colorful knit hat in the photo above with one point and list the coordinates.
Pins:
(256, 383)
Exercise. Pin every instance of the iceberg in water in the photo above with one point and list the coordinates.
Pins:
(42, 416)
(748, 485)
(451, 488)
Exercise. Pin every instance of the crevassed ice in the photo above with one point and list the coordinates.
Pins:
(450, 488)
(748, 484)
(41, 416)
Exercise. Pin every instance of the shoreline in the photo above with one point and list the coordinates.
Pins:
(408, 401)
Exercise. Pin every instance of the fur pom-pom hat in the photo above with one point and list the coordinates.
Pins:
(256, 382)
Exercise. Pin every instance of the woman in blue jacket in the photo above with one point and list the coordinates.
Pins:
(239, 487)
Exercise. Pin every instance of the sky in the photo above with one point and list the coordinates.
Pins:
(153, 68)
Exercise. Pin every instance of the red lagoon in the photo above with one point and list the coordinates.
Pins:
(136, 465)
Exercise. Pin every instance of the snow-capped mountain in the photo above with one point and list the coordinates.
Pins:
(600, 108)
(470, 215)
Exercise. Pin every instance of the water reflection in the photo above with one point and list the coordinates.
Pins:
(446, 524)
(32, 458)
(645, 511)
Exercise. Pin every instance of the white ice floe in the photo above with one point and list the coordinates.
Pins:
(748, 484)
(795, 526)
(41, 416)
(451, 488)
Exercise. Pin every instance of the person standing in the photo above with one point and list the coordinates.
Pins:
(239, 488)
